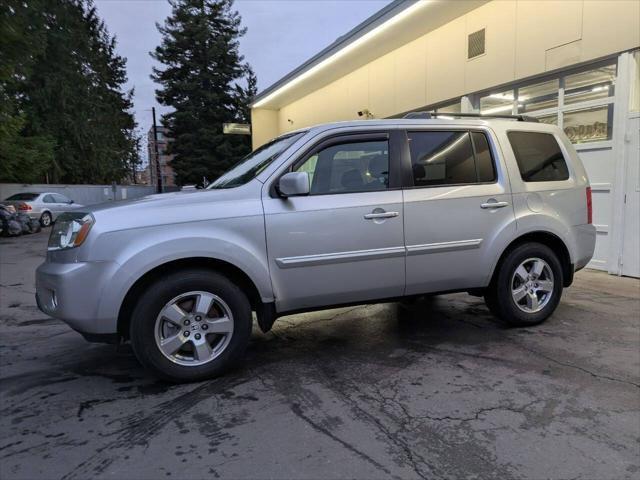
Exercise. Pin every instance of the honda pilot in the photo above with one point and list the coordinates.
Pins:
(343, 213)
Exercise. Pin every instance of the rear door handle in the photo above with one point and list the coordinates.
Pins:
(494, 205)
(374, 216)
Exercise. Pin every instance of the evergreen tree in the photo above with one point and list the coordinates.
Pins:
(70, 98)
(202, 79)
(23, 158)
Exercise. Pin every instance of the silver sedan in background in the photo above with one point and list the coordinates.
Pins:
(45, 206)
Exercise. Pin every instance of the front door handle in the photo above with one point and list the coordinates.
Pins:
(494, 205)
(378, 215)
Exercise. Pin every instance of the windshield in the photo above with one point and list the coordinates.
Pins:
(254, 163)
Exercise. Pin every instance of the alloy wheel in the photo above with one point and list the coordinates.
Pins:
(532, 285)
(194, 328)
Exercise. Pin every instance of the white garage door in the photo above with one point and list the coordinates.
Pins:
(600, 166)
(631, 239)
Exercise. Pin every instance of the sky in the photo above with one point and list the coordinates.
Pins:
(281, 34)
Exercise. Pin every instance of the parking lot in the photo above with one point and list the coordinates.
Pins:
(436, 391)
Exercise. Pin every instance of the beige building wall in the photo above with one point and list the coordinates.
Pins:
(524, 38)
(264, 126)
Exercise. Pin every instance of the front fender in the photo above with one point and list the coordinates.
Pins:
(239, 242)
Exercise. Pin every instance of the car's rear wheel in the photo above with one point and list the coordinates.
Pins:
(45, 219)
(191, 325)
(527, 287)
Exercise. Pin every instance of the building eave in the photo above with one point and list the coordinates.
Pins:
(394, 25)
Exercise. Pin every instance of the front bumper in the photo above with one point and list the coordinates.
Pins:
(72, 293)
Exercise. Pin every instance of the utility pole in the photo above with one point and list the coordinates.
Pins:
(155, 147)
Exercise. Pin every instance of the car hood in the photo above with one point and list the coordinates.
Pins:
(178, 207)
(155, 200)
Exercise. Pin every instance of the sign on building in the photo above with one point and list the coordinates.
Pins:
(236, 128)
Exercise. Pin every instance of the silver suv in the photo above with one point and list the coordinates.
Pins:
(344, 213)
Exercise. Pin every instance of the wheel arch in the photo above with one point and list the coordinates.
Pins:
(549, 239)
(229, 270)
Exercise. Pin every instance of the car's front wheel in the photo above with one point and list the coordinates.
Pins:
(191, 325)
(527, 286)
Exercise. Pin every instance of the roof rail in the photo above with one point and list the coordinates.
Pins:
(430, 115)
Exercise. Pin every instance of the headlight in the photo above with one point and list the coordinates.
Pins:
(70, 230)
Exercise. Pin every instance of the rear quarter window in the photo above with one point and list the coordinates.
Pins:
(539, 157)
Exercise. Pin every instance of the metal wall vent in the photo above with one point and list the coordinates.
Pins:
(475, 44)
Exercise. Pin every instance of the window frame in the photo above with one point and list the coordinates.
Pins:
(408, 181)
(388, 135)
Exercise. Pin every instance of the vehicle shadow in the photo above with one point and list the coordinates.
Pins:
(384, 333)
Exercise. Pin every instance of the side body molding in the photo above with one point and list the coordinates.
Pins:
(444, 246)
(390, 252)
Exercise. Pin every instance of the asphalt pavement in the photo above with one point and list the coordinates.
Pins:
(440, 390)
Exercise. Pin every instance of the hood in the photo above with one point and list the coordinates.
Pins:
(178, 207)
(155, 198)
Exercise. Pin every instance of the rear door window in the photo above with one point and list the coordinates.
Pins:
(450, 158)
(484, 161)
(49, 199)
(539, 157)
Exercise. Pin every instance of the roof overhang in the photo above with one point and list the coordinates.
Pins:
(398, 23)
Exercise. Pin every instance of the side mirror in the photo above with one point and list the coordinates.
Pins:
(293, 184)
(71, 201)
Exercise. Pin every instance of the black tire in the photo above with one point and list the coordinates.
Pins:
(498, 296)
(159, 294)
(45, 219)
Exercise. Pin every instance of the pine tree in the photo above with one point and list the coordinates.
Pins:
(23, 158)
(202, 80)
(71, 97)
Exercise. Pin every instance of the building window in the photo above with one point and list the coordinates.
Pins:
(590, 85)
(549, 119)
(539, 96)
(500, 103)
(581, 103)
(589, 124)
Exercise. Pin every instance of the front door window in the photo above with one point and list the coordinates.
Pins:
(348, 167)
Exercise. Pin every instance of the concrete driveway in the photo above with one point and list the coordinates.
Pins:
(441, 391)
